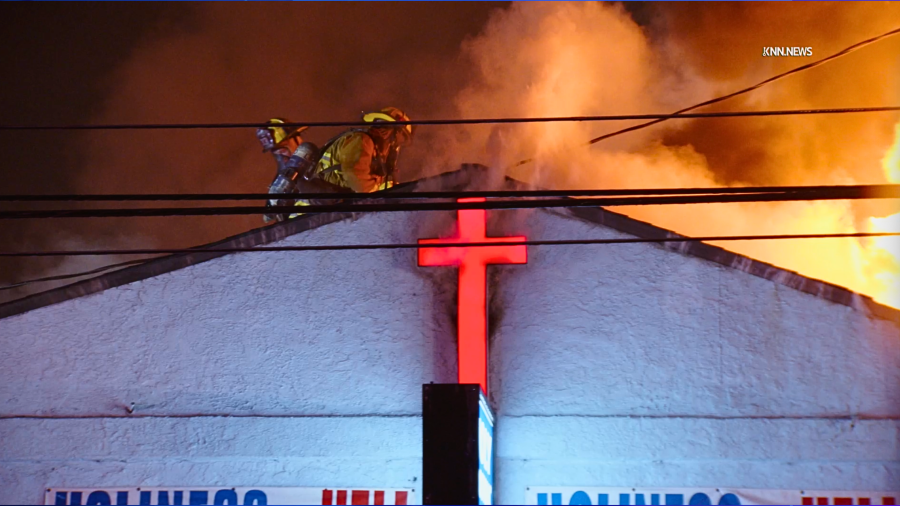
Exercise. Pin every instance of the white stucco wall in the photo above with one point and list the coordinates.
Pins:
(624, 365)
(632, 366)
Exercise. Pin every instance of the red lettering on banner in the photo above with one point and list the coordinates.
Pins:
(807, 501)
(472, 263)
(843, 500)
(863, 500)
(359, 497)
(821, 500)
(887, 500)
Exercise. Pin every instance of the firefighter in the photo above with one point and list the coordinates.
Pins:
(364, 160)
(360, 160)
(279, 140)
(282, 142)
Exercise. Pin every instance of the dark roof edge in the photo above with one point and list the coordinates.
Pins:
(169, 263)
(791, 279)
(473, 177)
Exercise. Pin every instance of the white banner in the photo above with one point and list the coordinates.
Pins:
(683, 496)
(226, 495)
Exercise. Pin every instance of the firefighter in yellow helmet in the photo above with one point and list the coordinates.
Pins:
(360, 160)
(364, 160)
(282, 142)
(279, 140)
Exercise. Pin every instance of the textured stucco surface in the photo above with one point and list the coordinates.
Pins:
(626, 365)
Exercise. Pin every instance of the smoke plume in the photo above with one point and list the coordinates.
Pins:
(237, 62)
(588, 58)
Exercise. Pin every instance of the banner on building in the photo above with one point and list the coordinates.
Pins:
(709, 496)
(224, 495)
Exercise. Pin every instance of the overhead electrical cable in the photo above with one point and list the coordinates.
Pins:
(842, 194)
(391, 195)
(472, 121)
(342, 247)
(682, 112)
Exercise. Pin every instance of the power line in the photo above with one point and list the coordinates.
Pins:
(472, 121)
(388, 246)
(343, 247)
(889, 189)
(842, 194)
(680, 113)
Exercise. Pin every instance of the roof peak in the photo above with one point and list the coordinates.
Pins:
(469, 177)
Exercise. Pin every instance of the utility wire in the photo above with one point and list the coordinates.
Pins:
(344, 247)
(390, 195)
(681, 112)
(452, 206)
(474, 121)
(389, 246)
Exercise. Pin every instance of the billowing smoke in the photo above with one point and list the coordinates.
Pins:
(588, 58)
(236, 62)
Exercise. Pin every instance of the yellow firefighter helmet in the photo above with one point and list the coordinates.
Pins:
(391, 115)
(281, 134)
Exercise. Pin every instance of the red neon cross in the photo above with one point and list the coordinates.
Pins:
(472, 262)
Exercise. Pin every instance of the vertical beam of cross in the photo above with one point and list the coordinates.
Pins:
(472, 262)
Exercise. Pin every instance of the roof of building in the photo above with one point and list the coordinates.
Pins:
(470, 177)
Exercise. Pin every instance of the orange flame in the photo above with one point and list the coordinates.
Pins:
(555, 59)
(884, 254)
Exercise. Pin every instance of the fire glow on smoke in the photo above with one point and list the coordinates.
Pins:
(882, 256)
(541, 59)
(582, 59)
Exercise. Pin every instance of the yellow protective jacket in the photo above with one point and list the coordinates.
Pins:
(352, 161)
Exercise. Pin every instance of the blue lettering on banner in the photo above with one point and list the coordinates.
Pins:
(729, 500)
(98, 498)
(555, 499)
(195, 497)
(581, 498)
(654, 500)
(225, 497)
(700, 499)
(162, 498)
(256, 497)
(198, 497)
